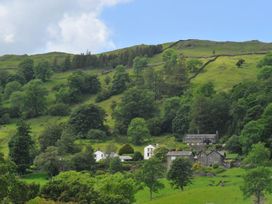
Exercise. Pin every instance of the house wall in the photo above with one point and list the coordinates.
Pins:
(210, 159)
(170, 159)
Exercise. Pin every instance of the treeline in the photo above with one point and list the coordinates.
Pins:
(123, 57)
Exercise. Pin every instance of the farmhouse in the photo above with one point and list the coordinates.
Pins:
(149, 151)
(98, 155)
(210, 158)
(172, 155)
(200, 139)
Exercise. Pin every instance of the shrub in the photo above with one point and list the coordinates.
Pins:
(59, 109)
(137, 156)
(126, 149)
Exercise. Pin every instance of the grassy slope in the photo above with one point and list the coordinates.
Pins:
(222, 72)
(203, 190)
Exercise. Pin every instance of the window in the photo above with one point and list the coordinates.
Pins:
(173, 158)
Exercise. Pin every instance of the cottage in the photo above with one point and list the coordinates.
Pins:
(149, 151)
(200, 139)
(172, 155)
(98, 155)
(210, 158)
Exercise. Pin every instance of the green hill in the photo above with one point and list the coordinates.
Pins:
(222, 72)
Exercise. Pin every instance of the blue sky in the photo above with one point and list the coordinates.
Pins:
(75, 26)
(157, 21)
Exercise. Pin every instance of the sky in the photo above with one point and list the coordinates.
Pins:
(75, 26)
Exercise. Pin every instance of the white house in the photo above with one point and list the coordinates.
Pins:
(149, 151)
(98, 155)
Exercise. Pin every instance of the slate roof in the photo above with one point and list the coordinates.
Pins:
(179, 153)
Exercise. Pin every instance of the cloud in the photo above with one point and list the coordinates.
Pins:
(32, 26)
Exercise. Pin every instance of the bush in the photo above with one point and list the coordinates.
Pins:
(59, 109)
(137, 156)
(96, 134)
(126, 149)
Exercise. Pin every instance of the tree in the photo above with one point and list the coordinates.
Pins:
(153, 80)
(120, 80)
(50, 135)
(115, 165)
(233, 144)
(84, 160)
(209, 115)
(175, 78)
(181, 122)
(134, 103)
(240, 62)
(87, 117)
(116, 188)
(26, 69)
(11, 87)
(70, 186)
(35, 102)
(43, 71)
(251, 134)
(180, 173)
(126, 149)
(83, 83)
(150, 174)
(96, 134)
(66, 142)
(259, 155)
(170, 109)
(21, 147)
(257, 182)
(138, 131)
(49, 161)
(160, 153)
(79, 187)
(139, 63)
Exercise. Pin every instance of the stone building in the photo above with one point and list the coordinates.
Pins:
(209, 158)
(172, 155)
(200, 139)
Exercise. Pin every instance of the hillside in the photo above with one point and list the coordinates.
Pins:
(222, 72)
(63, 109)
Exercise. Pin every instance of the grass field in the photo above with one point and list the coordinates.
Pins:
(203, 190)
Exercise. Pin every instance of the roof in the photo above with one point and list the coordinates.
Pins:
(150, 146)
(98, 152)
(125, 157)
(221, 153)
(200, 136)
(179, 153)
(112, 154)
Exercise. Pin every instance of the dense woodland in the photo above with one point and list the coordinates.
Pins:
(154, 102)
